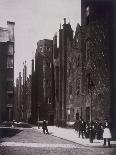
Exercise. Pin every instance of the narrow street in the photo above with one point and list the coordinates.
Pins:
(28, 141)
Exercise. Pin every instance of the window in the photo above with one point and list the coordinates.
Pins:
(41, 49)
(87, 10)
(10, 62)
(9, 85)
(87, 14)
(44, 68)
(10, 50)
(50, 65)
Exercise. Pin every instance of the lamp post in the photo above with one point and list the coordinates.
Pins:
(90, 86)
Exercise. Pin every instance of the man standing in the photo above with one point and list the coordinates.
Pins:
(44, 127)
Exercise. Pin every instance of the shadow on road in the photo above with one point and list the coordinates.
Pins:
(8, 132)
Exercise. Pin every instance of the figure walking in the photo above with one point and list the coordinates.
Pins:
(106, 133)
(44, 127)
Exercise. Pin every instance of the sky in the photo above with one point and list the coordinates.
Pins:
(36, 20)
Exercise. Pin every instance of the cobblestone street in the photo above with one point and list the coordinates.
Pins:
(30, 141)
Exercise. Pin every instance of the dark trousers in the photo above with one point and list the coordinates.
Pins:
(81, 132)
(108, 141)
(45, 130)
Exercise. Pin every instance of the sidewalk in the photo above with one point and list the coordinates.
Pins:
(72, 135)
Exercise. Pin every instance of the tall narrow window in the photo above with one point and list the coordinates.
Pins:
(87, 14)
(10, 50)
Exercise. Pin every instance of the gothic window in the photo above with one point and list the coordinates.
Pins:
(87, 14)
(50, 65)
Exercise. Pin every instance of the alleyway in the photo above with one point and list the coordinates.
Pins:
(28, 141)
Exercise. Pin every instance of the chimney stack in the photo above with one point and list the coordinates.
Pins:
(64, 20)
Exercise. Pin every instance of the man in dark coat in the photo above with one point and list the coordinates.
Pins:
(44, 127)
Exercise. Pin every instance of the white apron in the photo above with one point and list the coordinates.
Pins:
(107, 133)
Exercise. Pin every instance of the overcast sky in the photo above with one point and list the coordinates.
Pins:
(35, 20)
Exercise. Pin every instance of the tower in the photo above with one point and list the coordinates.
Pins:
(65, 34)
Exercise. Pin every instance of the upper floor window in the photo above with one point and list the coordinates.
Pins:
(10, 50)
(87, 11)
(87, 15)
(9, 85)
(10, 62)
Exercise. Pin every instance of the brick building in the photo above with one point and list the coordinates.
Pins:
(7, 72)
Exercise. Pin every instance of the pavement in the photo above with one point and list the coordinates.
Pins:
(71, 135)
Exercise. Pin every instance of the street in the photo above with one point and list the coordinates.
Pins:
(28, 141)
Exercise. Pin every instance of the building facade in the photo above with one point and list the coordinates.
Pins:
(18, 99)
(98, 59)
(22, 105)
(7, 72)
(74, 96)
(43, 78)
(83, 67)
(60, 71)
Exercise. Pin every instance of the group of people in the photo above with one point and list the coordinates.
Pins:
(97, 130)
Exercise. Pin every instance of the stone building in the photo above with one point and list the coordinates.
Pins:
(18, 99)
(55, 81)
(96, 23)
(74, 96)
(34, 107)
(7, 72)
(98, 57)
(28, 98)
(60, 71)
(43, 78)
(22, 105)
